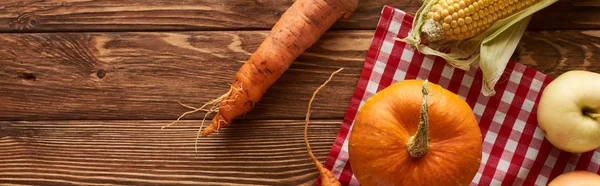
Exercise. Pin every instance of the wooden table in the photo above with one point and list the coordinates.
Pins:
(85, 87)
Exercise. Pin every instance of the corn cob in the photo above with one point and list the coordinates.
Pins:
(464, 32)
(453, 20)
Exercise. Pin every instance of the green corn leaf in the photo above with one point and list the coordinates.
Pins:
(492, 48)
(496, 51)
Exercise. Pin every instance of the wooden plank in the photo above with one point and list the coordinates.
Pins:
(140, 153)
(131, 15)
(586, 3)
(110, 15)
(143, 75)
(566, 14)
(555, 52)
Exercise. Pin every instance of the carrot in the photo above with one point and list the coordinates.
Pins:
(327, 178)
(300, 26)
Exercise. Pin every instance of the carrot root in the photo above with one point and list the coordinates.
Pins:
(327, 178)
(213, 107)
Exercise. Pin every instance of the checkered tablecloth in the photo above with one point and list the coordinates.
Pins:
(515, 151)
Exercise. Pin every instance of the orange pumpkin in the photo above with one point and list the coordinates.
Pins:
(397, 140)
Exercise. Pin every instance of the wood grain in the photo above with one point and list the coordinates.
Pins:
(165, 15)
(555, 52)
(567, 14)
(144, 75)
(140, 153)
(118, 75)
(586, 3)
(109, 15)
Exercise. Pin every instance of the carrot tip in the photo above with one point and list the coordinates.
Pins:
(207, 131)
(327, 178)
(210, 129)
(209, 107)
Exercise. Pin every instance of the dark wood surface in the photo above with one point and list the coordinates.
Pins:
(128, 152)
(143, 75)
(135, 15)
(167, 15)
(86, 85)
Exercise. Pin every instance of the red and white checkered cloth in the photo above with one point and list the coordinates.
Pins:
(515, 151)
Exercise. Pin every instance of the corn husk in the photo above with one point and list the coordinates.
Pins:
(492, 48)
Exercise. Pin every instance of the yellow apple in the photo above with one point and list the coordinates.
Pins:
(569, 111)
(576, 178)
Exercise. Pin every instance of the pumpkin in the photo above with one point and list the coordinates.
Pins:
(415, 133)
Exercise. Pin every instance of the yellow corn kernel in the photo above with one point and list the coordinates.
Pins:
(470, 10)
(501, 4)
(461, 13)
(448, 19)
(436, 16)
(463, 29)
(454, 24)
(445, 13)
(456, 6)
(462, 19)
(456, 30)
(446, 26)
(450, 9)
(436, 8)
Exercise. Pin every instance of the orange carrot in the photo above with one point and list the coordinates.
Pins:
(297, 29)
(327, 178)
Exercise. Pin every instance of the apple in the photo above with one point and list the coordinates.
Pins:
(576, 178)
(569, 111)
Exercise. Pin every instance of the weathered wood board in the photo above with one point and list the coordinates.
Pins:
(142, 75)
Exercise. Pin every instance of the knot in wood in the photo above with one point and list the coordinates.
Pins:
(101, 73)
(25, 20)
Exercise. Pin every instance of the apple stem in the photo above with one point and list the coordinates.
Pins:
(418, 144)
(594, 116)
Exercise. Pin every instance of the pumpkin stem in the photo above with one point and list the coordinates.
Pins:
(418, 144)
